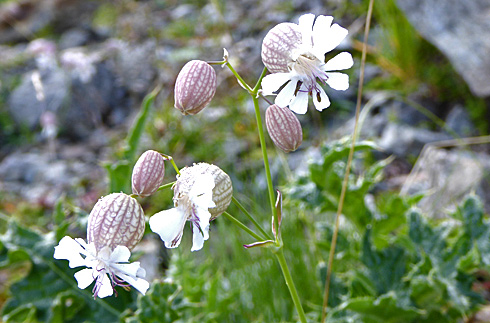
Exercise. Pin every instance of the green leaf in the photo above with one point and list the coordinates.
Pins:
(163, 302)
(386, 308)
(386, 267)
(120, 171)
(426, 293)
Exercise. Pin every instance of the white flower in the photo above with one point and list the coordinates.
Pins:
(295, 54)
(105, 267)
(192, 206)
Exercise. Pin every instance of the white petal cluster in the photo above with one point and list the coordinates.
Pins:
(108, 268)
(302, 63)
(191, 206)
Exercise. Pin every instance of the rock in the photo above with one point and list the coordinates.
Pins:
(84, 94)
(446, 177)
(461, 30)
(36, 178)
(459, 121)
(100, 101)
(27, 17)
(74, 38)
(24, 106)
(134, 65)
(403, 140)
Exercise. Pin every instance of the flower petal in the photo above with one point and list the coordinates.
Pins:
(104, 254)
(201, 193)
(338, 81)
(272, 82)
(198, 238)
(120, 254)
(139, 284)
(287, 94)
(321, 26)
(127, 269)
(70, 250)
(105, 288)
(324, 102)
(169, 225)
(141, 273)
(332, 38)
(300, 103)
(200, 229)
(306, 28)
(341, 61)
(84, 277)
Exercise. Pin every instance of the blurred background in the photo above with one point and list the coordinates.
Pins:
(73, 74)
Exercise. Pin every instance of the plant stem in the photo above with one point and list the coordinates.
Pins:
(164, 186)
(251, 218)
(290, 284)
(241, 81)
(242, 226)
(266, 161)
(259, 82)
(349, 163)
(279, 253)
(170, 158)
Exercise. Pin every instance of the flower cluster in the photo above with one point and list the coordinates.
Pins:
(295, 55)
(117, 223)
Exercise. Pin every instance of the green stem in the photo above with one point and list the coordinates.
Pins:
(259, 82)
(251, 218)
(170, 158)
(239, 78)
(266, 161)
(242, 226)
(290, 284)
(279, 254)
(164, 186)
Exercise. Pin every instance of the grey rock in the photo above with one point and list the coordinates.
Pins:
(459, 121)
(445, 177)
(80, 105)
(403, 140)
(101, 100)
(134, 65)
(26, 109)
(27, 17)
(37, 178)
(74, 38)
(461, 30)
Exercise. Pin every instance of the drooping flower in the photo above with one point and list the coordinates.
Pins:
(115, 225)
(283, 128)
(148, 173)
(108, 268)
(116, 220)
(201, 193)
(195, 87)
(295, 54)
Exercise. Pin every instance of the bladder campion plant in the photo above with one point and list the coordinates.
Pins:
(294, 54)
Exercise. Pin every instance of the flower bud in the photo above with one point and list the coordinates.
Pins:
(195, 87)
(148, 173)
(284, 128)
(277, 45)
(222, 191)
(116, 220)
